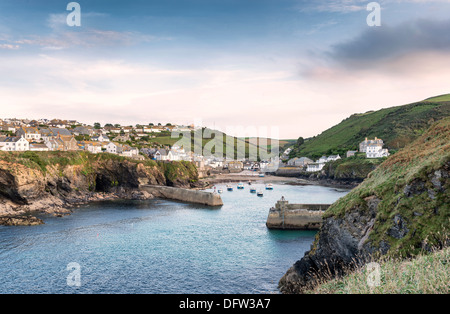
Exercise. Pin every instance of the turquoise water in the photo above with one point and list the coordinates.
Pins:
(160, 246)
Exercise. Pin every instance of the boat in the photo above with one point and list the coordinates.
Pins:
(269, 186)
(249, 182)
(220, 191)
(252, 190)
(240, 186)
(261, 175)
(229, 188)
(260, 193)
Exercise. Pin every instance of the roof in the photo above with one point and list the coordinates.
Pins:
(60, 131)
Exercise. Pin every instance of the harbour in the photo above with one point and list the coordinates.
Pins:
(160, 246)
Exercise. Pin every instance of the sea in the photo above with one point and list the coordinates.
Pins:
(159, 246)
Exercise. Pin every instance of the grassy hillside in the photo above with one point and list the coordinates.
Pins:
(229, 144)
(412, 187)
(397, 126)
(425, 274)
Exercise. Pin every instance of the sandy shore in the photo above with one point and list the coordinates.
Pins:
(246, 176)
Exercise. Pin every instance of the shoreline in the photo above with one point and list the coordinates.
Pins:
(270, 178)
(13, 214)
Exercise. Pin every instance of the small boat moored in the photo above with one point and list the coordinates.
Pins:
(240, 186)
(252, 190)
(269, 186)
(220, 191)
(229, 188)
(260, 194)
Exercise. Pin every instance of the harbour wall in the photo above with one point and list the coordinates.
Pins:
(184, 195)
(296, 216)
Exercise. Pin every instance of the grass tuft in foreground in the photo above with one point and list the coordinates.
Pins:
(425, 274)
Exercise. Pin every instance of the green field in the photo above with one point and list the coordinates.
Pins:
(440, 98)
(396, 126)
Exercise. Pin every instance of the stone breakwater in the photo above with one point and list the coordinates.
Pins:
(296, 216)
(184, 195)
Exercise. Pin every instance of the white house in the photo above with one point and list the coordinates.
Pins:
(333, 158)
(373, 148)
(94, 148)
(101, 138)
(12, 144)
(128, 151)
(322, 160)
(314, 167)
(113, 148)
(29, 133)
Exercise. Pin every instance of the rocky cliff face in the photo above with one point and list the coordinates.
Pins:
(47, 183)
(401, 209)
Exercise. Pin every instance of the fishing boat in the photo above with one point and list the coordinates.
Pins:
(260, 193)
(229, 188)
(252, 190)
(240, 186)
(269, 186)
(261, 175)
(220, 191)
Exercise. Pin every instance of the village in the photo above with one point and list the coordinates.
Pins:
(128, 141)
(368, 148)
(136, 142)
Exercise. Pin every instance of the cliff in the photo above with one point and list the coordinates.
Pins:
(346, 172)
(400, 210)
(52, 182)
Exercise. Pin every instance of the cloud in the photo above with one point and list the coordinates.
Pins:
(381, 45)
(334, 6)
(9, 46)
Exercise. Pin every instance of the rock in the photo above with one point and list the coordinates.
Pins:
(20, 221)
(399, 229)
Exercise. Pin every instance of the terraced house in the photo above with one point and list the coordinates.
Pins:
(31, 134)
(14, 144)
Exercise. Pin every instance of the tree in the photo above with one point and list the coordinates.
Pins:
(97, 125)
(300, 141)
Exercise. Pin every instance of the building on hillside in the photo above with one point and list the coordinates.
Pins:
(31, 134)
(299, 162)
(14, 144)
(235, 165)
(333, 158)
(314, 167)
(351, 153)
(114, 148)
(373, 148)
(122, 138)
(82, 130)
(62, 143)
(128, 151)
(39, 148)
(372, 144)
(100, 138)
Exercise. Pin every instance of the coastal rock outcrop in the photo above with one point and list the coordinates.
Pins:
(53, 182)
(401, 209)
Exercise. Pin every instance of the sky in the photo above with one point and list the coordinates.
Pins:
(285, 68)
